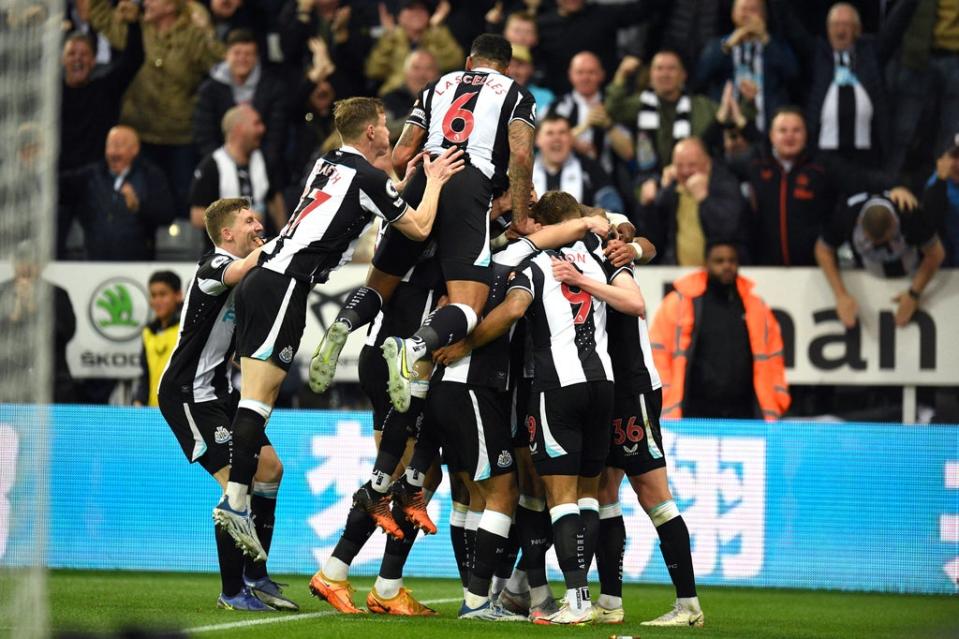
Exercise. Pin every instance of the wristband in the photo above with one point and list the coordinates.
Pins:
(639, 250)
(913, 293)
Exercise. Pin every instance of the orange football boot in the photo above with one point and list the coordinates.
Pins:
(410, 499)
(377, 506)
(403, 604)
(338, 593)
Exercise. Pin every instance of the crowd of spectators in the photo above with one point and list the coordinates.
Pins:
(756, 122)
(861, 75)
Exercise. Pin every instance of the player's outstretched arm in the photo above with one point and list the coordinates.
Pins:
(495, 324)
(417, 223)
(239, 268)
(623, 294)
(556, 235)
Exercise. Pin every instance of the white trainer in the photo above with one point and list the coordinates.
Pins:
(607, 615)
(566, 616)
(239, 525)
(679, 616)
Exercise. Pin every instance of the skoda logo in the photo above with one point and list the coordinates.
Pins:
(119, 308)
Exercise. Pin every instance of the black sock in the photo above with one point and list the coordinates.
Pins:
(534, 535)
(445, 326)
(504, 567)
(674, 544)
(458, 540)
(568, 539)
(360, 308)
(590, 519)
(398, 550)
(427, 447)
(248, 428)
(393, 441)
(359, 527)
(264, 516)
(609, 555)
(489, 549)
(470, 536)
(230, 559)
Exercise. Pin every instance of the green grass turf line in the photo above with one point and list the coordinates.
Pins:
(109, 601)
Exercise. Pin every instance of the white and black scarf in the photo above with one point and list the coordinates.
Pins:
(571, 178)
(648, 125)
(230, 183)
(846, 117)
(748, 65)
(575, 108)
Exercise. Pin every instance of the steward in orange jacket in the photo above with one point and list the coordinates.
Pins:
(679, 336)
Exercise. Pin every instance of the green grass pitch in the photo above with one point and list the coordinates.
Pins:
(110, 601)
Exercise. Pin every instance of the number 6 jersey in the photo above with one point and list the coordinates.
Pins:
(567, 325)
(473, 110)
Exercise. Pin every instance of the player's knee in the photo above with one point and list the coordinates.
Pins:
(651, 489)
(609, 488)
(270, 470)
(661, 513)
(502, 494)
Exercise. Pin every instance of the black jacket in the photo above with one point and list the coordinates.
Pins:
(88, 112)
(215, 98)
(111, 231)
(591, 29)
(721, 214)
(871, 53)
(791, 209)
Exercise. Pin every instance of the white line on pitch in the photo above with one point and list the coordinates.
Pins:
(284, 619)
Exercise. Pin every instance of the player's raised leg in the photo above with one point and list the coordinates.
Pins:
(360, 309)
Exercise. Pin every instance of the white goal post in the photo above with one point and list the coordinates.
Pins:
(30, 40)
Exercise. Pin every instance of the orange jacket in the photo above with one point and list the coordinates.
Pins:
(673, 331)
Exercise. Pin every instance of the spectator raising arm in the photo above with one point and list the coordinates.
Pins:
(622, 101)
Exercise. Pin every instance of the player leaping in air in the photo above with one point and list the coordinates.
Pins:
(343, 193)
(492, 119)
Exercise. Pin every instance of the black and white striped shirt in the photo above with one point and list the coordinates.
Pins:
(198, 369)
(632, 355)
(473, 110)
(580, 176)
(342, 195)
(567, 325)
(489, 366)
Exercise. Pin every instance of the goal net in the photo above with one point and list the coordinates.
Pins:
(29, 111)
